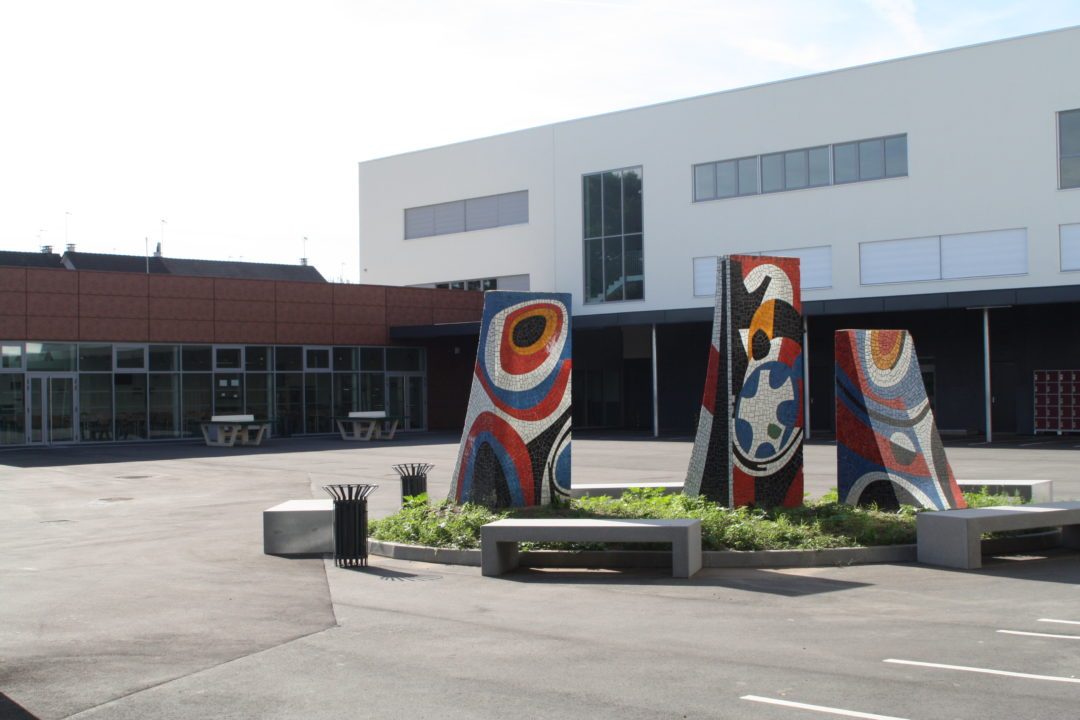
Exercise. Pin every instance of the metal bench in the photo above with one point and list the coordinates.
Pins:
(952, 538)
(499, 540)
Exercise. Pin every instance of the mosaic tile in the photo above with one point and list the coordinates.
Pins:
(515, 448)
(748, 447)
(888, 449)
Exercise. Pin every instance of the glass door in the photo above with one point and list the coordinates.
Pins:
(405, 398)
(52, 409)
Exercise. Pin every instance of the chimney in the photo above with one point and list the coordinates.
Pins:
(157, 252)
(46, 249)
(303, 261)
(71, 247)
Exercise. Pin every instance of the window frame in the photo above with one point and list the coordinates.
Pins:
(1061, 156)
(603, 238)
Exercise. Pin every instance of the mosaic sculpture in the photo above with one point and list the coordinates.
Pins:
(888, 450)
(515, 449)
(748, 449)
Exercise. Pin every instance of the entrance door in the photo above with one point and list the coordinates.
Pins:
(405, 398)
(52, 409)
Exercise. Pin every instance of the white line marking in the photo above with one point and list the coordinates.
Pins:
(1063, 622)
(1035, 634)
(819, 708)
(1041, 442)
(1007, 673)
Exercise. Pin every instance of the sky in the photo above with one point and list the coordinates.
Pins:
(232, 129)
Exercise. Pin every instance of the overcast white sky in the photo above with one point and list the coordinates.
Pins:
(241, 122)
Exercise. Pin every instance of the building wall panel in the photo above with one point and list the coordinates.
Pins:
(47, 304)
(113, 329)
(166, 286)
(242, 310)
(106, 283)
(180, 308)
(13, 279)
(195, 331)
(359, 314)
(12, 303)
(371, 334)
(52, 328)
(292, 312)
(359, 295)
(112, 306)
(51, 281)
(232, 331)
(235, 289)
(304, 334)
(304, 292)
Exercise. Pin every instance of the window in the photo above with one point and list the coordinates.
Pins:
(1070, 247)
(944, 257)
(466, 215)
(130, 357)
(612, 228)
(847, 162)
(1069, 149)
(10, 356)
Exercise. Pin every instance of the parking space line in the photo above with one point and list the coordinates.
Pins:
(1063, 622)
(1036, 634)
(986, 671)
(819, 708)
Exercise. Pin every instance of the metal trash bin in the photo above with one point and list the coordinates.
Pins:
(350, 523)
(413, 478)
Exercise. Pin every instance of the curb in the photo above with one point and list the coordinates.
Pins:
(646, 558)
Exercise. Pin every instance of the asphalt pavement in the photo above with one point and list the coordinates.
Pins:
(133, 585)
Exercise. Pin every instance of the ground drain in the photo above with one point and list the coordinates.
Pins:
(114, 499)
(132, 477)
(50, 522)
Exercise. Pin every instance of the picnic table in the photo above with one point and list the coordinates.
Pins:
(227, 430)
(364, 425)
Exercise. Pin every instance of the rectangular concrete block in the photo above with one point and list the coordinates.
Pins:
(299, 527)
(1033, 491)
(617, 489)
(499, 540)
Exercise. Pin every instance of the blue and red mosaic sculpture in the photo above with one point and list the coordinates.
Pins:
(515, 449)
(888, 451)
(748, 449)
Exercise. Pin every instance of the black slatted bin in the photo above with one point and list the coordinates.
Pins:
(413, 478)
(350, 523)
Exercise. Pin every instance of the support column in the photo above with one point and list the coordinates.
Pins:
(655, 394)
(986, 376)
(806, 377)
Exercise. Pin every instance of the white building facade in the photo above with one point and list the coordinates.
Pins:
(916, 191)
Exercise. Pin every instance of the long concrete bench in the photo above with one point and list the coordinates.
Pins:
(617, 489)
(499, 540)
(299, 527)
(952, 538)
(1032, 491)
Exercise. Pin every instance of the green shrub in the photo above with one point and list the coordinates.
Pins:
(819, 524)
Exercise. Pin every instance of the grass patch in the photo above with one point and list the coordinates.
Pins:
(819, 524)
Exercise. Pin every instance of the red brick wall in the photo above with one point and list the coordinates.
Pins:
(48, 304)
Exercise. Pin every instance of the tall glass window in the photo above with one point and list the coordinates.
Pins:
(96, 403)
(612, 228)
(12, 417)
(198, 401)
(1069, 149)
(164, 401)
(289, 401)
(130, 406)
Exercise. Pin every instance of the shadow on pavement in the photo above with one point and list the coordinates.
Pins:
(11, 710)
(88, 454)
(394, 575)
(750, 580)
(1056, 565)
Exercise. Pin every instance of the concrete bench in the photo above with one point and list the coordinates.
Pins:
(1033, 491)
(226, 430)
(299, 527)
(499, 540)
(617, 489)
(952, 538)
(362, 425)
